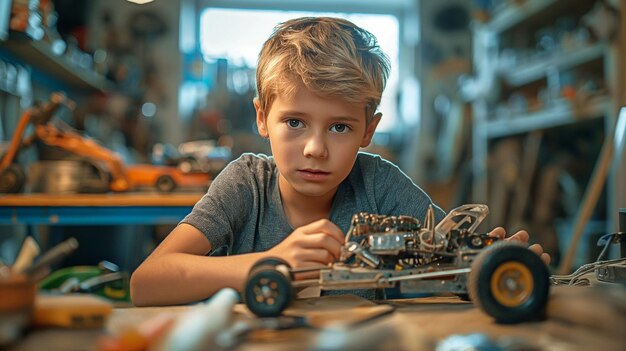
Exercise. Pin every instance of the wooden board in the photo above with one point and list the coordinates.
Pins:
(121, 199)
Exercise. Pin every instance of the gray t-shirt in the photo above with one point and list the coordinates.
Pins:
(242, 210)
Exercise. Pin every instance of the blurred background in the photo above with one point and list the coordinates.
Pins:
(511, 103)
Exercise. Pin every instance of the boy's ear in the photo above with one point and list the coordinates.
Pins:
(370, 129)
(260, 118)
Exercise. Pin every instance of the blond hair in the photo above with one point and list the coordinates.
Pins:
(332, 57)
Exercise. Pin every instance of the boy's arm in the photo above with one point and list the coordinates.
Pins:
(178, 271)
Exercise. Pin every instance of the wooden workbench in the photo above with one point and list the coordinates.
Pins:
(578, 318)
(109, 199)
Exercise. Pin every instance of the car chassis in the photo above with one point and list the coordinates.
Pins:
(505, 279)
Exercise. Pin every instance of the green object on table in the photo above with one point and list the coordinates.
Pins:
(92, 279)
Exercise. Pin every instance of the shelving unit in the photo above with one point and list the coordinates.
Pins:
(560, 115)
(583, 113)
(39, 55)
(510, 16)
(537, 69)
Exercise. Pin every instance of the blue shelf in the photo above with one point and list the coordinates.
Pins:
(96, 215)
(96, 209)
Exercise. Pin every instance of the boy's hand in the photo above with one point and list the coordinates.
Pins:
(521, 236)
(317, 243)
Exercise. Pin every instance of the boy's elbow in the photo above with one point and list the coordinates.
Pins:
(138, 289)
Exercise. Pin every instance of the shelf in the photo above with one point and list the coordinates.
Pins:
(514, 14)
(40, 57)
(526, 73)
(96, 209)
(558, 116)
(113, 199)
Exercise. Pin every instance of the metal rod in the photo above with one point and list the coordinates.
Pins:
(305, 283)
(307, 269)
(427, 275)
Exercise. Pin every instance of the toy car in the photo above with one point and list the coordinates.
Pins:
(203, 156)
(165, 179)
(505, 279)
(200, 156)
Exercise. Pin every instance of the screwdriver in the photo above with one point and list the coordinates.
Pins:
(52, 256)
(28, 252)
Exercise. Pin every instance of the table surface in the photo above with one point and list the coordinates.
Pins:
(100, 200)
(578, 318)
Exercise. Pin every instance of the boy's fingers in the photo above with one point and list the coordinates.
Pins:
(322, 241)
(327, 227)
(521, 236)
(317, 257)
(498, 232)
(536, 248)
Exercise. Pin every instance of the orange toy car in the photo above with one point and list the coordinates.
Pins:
(119, 176)
(165, 179)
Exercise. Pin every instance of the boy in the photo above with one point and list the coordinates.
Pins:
(319, 83)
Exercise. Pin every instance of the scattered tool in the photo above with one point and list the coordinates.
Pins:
(105, 280)
(322, 320)
(27, 254)
(197, 329)
(139, 338)
(81, 311)
(51, 257)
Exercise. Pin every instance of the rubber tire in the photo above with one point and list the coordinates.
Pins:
(12, 179)
(284, 291)
(165, 184)
(485, 265)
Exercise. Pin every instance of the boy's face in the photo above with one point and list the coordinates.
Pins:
(314, 140)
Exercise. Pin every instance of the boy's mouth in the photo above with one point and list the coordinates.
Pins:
(312, 174)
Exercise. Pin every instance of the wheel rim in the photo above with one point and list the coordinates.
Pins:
(9, 178)
(266, 291)
(165, 184)
(512, 284)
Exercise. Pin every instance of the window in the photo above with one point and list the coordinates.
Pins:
(237, 35)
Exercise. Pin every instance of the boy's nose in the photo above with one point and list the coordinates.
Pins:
(316, 147)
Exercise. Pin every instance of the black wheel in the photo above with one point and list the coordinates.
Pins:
(268, 291)
(12, 179)
(510, 283)
(165, 184)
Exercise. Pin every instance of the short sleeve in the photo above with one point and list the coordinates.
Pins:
(221, 213)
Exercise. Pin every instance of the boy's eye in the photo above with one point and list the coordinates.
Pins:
(294, 123)
(340, 128)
